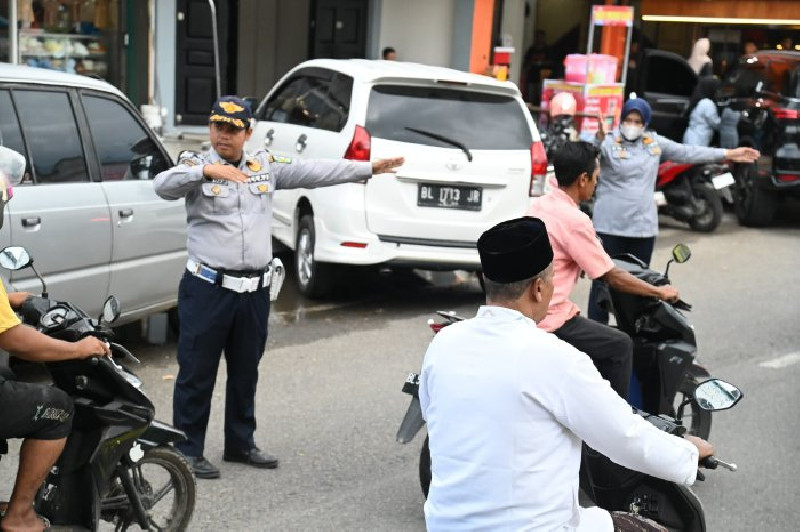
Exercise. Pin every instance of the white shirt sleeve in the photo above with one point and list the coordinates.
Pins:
(585, 403)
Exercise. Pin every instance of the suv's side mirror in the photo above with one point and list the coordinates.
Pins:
(15, 258)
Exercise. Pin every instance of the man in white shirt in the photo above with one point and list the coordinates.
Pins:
(507, 406)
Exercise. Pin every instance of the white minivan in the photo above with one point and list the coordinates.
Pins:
(473, 158)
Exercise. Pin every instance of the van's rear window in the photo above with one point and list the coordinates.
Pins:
(478, 120)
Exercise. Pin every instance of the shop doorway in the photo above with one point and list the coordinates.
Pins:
(195, 72)
(338, 29)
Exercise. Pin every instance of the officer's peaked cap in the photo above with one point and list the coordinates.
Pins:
(232, 110)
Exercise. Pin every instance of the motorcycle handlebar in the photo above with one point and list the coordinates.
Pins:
(682, 305)
(712, 462)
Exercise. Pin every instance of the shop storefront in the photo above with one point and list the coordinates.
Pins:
(95, 38)
(730, 25)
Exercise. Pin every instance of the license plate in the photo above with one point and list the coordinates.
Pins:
(447, 197)
(660, 198)
(722, 180)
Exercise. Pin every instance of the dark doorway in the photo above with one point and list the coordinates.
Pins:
(195, 73)
(338, 29)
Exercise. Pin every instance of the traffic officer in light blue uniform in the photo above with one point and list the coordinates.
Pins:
(223, 298)
(625, 213)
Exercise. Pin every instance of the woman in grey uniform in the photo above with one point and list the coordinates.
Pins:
(625, 214)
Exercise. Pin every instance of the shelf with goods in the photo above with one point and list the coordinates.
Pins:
(72, 53)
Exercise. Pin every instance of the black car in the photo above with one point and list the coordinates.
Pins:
(765, 89)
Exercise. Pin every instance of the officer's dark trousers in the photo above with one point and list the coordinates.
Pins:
(641, 248)
(610, 349)
(213, 319)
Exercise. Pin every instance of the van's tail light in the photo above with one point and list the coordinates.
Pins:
(785, 114)
(538, 169)
(361, 145)
(788, 178)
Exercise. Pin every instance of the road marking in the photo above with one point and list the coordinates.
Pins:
(782, 362)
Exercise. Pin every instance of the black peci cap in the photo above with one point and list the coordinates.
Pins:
(231, 110)
(515, 250)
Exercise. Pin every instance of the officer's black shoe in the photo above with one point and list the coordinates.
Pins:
(202, 468)
(254, 457)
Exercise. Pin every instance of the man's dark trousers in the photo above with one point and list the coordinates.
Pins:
(610, 349)
(641, 248)
(213, 318)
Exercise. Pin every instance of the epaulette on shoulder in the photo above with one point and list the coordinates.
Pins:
(190, 158)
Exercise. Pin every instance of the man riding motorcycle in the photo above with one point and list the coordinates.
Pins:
(41, 415)
(576, 249)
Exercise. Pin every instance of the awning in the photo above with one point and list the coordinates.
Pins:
(764, 12)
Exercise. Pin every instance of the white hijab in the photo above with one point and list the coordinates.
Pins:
(699, 55)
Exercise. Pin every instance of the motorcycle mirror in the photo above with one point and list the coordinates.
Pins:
(716, 394)
(681, 253)
(15, 258)
(111, 310)
(18, 258)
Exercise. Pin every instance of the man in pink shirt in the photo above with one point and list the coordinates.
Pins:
(576, 248)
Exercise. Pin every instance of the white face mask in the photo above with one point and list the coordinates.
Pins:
(631, 132)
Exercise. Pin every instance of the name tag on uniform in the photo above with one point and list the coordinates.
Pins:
(258, 178)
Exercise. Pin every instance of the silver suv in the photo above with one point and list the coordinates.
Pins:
(86, 209)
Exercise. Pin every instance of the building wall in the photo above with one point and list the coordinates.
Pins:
(165, 45)
(273, 38)
(420, 30)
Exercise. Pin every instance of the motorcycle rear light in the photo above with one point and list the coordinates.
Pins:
(788, 178)
(538, 169)
(361, 145)
(785, 114)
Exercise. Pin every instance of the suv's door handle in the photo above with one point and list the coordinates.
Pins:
(31, 222)
(125, 213)
(301, 143)
(269, 137)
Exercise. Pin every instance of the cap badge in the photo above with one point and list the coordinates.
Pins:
(231, 107)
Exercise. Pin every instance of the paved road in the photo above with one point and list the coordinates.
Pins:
(329, 400)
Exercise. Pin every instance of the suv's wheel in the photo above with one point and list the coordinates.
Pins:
(313, 279)
(754, 206)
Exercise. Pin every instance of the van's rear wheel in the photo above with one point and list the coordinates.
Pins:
(313, 279)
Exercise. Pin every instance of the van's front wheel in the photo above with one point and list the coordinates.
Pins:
(313, 279)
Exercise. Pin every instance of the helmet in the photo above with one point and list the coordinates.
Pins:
(563, 103)
(12, 168)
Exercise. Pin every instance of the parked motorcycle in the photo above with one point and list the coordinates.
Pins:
(693, 193)
(118, 464)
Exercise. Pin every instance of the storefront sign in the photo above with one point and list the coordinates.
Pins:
(612, 16)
